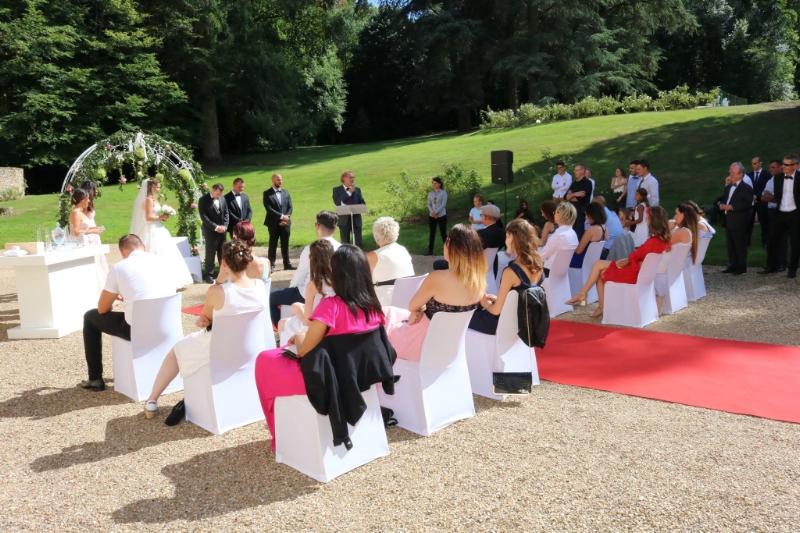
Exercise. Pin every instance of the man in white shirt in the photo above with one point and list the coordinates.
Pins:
(649, 182)
(139, 276)
(476, 213)
(767, 198)
(787, 198)
(326, 226)
(589, 173)
(561, 182)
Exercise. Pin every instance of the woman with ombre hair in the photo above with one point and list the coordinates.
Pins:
(455, 290)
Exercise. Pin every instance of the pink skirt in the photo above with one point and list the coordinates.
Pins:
(406, 339)
(276, 375)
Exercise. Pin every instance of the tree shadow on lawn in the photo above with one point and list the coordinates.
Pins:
(45, 402)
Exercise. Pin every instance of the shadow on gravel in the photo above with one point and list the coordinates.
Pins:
(487, 404)
(7, 298)
(215, 483)
(123, 436)
(44, 402)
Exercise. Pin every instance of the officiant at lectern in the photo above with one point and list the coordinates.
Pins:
(348, 194)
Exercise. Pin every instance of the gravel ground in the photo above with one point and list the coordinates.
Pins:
(564, 459)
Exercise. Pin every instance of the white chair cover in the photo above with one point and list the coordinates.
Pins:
(304, 439)
(405, 289)
(384, 293)
(556, 285)
(578, 276)
(633, 304)
(222, 395)
(155, 330)
(434, 392)
(503, 352)
(670, 286)
(503, 259)
(693, 274)
(491, 283)
(192, 261)
(269, 335)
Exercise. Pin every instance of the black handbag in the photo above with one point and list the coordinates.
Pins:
(513, 383)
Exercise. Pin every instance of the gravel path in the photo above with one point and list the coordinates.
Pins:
(564, 459)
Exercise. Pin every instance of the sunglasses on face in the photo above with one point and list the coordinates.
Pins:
(788, 164)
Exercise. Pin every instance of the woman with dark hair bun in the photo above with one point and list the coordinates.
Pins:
(90, 186)
(84, 226)
(241, 294)
(354, 309)
(259, 267)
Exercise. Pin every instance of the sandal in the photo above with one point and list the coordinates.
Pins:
(150, 408)
(598, 312)
(579, 298)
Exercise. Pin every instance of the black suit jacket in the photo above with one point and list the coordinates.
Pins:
(235, 215)
(492, 236)
(275, 209)
(339, 196)
(779, 189)
(761, 182)
(210, 215)
(739, 217)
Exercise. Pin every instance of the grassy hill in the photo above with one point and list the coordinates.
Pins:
(689, 152)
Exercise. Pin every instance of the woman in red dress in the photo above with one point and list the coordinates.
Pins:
(627, 270)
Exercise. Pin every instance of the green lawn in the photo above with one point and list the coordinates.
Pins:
(689, 152)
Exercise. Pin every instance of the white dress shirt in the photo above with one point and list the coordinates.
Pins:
(216, 203)
(561, 184)
(733, 190)
(563, 238)
(238, 197)
(278, 195)
(142, 276)
(650, 184)
(787, 201)
(349, 194)
(302, 275)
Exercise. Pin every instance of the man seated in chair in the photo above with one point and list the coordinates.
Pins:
(139, 276)
(492, 235)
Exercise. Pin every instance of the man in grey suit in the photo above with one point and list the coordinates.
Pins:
(348, 194)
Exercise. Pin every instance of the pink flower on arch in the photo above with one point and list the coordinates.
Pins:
(193, 206)
(69, 188)
(123, 180)
(204, 186)
(108, 147)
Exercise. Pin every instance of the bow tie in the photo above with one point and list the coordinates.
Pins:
(237, 195)
(789, 177)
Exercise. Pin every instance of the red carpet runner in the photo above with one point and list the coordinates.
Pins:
(738, 377)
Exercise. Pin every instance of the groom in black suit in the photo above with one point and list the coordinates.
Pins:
(735, 209)
(214, 213)
(239, 209)
(348, 194)
(787, 220)
(279, 208)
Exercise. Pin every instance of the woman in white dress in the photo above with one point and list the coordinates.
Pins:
(83, 225)
(320, 253)
(147, 225)
(241, 295)
(391, 260)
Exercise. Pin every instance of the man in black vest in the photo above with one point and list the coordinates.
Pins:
(787, 198)
(213, 212)
(737, 200)
(239, 209)
(348, 194)
(278, 204)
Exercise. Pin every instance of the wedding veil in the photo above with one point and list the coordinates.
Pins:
(138, 222)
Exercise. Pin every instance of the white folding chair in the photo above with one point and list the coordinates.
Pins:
(671, 284)
(304, 439)
(192, 261)
(503, 259)
(156, 328)
(286, 335)
(491, 284)
(405, 289)
(434, 392)
(633, 304)
(222, 395)
(502, 352)
(693, 274)
(578, 276)
(556, 285)
(384, 293)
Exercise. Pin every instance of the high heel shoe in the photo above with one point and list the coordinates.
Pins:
(598, 312)
(579, 298)
(150, 408)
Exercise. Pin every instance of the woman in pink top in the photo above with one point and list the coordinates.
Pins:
(354, 309)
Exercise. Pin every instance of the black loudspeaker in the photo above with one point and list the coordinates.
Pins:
(502, 161)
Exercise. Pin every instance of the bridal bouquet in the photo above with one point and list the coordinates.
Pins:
(167, 210)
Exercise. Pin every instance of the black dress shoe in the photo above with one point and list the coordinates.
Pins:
(178, 413)
(767, 270)
(95, 385)
(729, 270)
(289, 267)
(782, 268)
(792, 273)
(209, 280)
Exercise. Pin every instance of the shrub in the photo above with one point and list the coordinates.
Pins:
(11, 193)
(461, 184)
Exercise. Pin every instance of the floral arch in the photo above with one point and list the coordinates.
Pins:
(141, 154)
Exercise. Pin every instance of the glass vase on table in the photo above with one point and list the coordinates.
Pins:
(59, 234)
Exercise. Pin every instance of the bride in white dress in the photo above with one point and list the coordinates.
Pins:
(156, 238)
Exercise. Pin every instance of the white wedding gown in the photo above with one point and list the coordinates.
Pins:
(158, 241)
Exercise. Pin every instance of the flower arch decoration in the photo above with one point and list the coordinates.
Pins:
(136, 155)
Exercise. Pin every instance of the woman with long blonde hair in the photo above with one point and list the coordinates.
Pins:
(523, 272)
(455, 290)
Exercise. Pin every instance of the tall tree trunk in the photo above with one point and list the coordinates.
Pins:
(534, 22)
(511, 92)
(463, 119)
(533, 90)
(208, 108)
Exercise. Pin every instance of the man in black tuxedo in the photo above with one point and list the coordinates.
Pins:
(737, 198)
(759, 177)
(787, 198)
(239, 209)
(214, 213)
(348, 194)
(278, 204)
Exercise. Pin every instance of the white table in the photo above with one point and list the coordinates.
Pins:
(54, 291)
